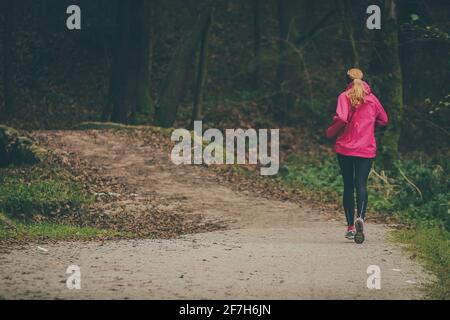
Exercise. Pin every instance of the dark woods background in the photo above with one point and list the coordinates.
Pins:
(240, 64)
(255, 63)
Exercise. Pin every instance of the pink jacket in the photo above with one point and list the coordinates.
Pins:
(355, 127)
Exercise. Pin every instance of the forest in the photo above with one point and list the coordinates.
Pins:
(262, 64)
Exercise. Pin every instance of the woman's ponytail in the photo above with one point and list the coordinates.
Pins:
(356, 93)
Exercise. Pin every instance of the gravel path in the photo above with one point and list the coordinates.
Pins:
(271, 250)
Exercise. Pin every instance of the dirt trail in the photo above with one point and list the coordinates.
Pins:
(271, 250)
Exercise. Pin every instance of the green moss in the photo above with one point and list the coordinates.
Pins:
(119, 126)
(102, 126)
(34, 200)
(50, 197)
(145, 108)
(16, 149)
(52, 231)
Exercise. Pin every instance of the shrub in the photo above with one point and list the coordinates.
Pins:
(418, 189)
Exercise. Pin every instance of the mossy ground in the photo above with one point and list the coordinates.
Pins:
(38, 231)
(40, 201)
(431, 245)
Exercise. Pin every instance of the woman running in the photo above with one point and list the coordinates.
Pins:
(358, 112)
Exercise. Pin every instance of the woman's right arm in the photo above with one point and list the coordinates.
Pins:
(382, 118)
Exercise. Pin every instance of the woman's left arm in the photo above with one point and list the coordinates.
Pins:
(340, 119)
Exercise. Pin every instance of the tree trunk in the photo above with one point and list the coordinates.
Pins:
(115, 109)
(174, 85)
(143, 107)
(197, 108)
(129, 85)
(393, 87)
(257, 25)
(284, 100)
(8, 45)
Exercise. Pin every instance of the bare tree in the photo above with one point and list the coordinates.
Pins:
(129, 83)
(345, 8)
(8, 45)
(393, 86)
(257, 52)
(197, 108)
(174, 85)
(284, 100)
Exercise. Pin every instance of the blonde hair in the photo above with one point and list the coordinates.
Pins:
(357, 93)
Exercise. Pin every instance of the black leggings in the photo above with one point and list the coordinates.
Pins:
(355, 171)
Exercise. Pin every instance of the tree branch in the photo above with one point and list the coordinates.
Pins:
(314, 30)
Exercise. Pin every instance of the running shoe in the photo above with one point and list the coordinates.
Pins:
(350, 234)
(359, 236)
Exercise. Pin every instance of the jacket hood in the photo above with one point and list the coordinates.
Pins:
(365, 86)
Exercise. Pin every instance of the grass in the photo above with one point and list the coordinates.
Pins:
(35, 202)
(431, 245)
(52, 231)
(25, 199)
(316, 174)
